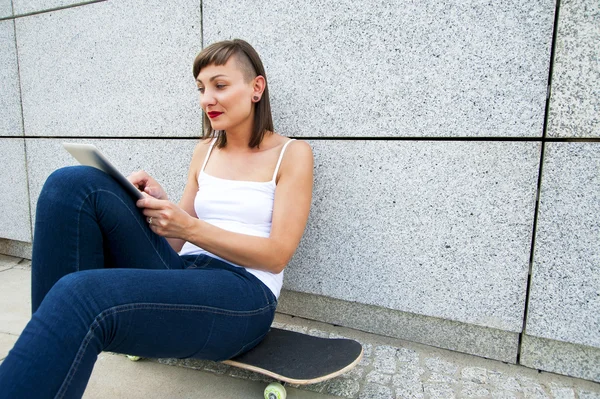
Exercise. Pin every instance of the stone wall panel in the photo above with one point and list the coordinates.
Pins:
(440, 229)
(115, 68)
(397, 69)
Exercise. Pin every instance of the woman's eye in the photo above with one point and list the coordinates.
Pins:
(220, 86)
(201, 89)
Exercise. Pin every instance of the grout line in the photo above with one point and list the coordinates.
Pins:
(540, 177)
(29, 14)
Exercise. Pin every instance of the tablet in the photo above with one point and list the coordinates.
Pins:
(88, 154)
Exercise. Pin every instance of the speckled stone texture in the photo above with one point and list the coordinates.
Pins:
(560, 357)
(564, 303)
(16, 248)
(575, 99)
(440, 229)
(33, 6)
(5, 8)
(461, 337)
(14, 212)
(115, 68)
(165, 160)
(10, 108)
(406, 68)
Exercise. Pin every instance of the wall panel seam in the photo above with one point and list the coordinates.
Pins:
(28, 14)
(540, 176)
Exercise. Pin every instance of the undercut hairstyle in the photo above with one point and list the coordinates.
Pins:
(248, 61)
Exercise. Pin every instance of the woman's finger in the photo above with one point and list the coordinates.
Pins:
(150, 202)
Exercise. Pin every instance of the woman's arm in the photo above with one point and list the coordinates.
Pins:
(151, 187)
(290, 214)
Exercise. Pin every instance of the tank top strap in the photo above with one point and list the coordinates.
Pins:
(280, 158)
(212, 144)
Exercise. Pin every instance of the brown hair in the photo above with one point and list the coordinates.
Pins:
(251, 66)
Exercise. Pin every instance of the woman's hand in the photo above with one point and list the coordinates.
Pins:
(146, 184)
(165, 218)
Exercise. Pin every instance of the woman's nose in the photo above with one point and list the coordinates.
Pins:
(207, 99)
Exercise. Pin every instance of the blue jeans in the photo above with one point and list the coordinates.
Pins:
(103, 281)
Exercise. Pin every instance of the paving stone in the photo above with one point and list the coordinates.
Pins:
(385, 351)
(410, 393)
(407, 356)
(531, 388)
(365, 361)
(475, 374)
(504, 395)
(441, 378)
(584, 394)
(367, 350)
(503, 381)
(344, 387)
(376, 391)
(438, 365)
(559, 392)
(474, 390)
(407, 374)
(379, 378)
(534, 391)
(278, 325)
(356, 373)
(385, 365)
(438, 391)
(320, 387)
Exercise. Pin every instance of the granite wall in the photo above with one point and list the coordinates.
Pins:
(454, 204)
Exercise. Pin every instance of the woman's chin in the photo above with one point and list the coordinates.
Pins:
(218, 126)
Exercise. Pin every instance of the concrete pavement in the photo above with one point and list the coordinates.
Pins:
(391, 368)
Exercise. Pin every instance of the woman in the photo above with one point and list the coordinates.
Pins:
(106, 272)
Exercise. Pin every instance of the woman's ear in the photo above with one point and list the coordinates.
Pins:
(258, 86)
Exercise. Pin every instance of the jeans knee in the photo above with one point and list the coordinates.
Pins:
(64, 182)
(70, 175)
(71, 286)
(75, 292)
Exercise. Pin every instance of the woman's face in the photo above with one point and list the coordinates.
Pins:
(225, 96)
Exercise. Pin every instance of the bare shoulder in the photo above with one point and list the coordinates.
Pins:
(199, 154)
(297, 160)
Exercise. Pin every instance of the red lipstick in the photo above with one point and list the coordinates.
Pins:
(213, 114)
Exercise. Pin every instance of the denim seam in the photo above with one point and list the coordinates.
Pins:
(131, 213)
(141, 306)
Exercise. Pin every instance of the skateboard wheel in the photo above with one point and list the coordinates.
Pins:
(133, 358)
(275, 391)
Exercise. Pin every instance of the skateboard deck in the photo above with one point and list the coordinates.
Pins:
(298, 358)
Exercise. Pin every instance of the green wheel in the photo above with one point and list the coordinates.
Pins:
(133, 358)
(275, 391)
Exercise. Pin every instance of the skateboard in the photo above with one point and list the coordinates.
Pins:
(299, 359)
(296, 358)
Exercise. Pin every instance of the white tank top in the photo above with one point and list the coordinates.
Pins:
(239, 206)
